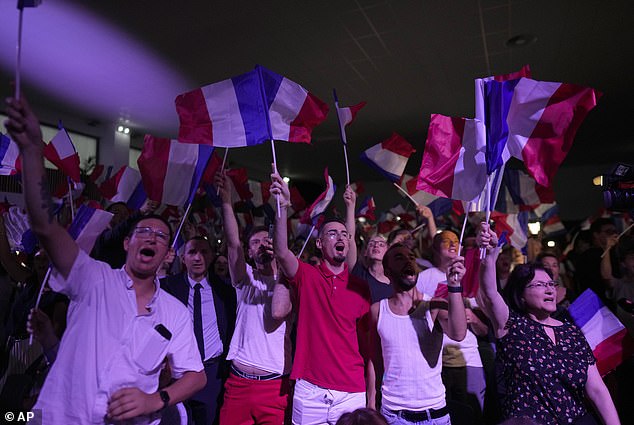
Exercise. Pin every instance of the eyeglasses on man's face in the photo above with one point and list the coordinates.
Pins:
(546, 284)
(333, 234)
(379, 244)
(147, 232)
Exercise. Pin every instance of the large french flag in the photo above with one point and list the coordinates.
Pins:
(606, 335)
(249, 109)
(61, 152)
(9, 156)
(88, 224)
(321, 203)
(524, 190)
(389, 157)
(453, 163)
(170, 170)
(125, 186)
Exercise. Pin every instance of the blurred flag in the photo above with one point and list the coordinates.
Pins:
(453, 163)
(61, 152)
(9, 156)
(514, 226)
(389, 157)
(125, 186)
(318, 207)
(367, 208)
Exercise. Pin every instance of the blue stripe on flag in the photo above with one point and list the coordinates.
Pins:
(271, 83)
(137, 198)
(512, 182)
(440, 206)
(4, 146)
(252, 109)
(371, 163)
(585, 307)
(82, 217)
(497, 100)
(204, 154)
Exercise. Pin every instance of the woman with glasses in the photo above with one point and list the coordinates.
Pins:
(548, 368)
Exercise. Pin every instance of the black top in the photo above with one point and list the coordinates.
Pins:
(378, 289)
(544, 381)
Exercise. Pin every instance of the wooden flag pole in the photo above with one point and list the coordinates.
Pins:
(406, 194)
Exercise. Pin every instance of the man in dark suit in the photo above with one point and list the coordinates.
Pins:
(212, 303)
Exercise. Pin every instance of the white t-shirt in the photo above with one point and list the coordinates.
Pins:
(108, 346)
(259, 340)
(428, 280)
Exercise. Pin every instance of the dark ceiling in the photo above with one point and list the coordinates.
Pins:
(406, 58)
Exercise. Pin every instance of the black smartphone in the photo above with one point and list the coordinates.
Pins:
(271, 231)
(162, 330)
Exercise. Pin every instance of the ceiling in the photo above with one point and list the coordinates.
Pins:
(127, 60)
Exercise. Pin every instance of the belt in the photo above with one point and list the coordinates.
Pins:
(212, 361)
(423, 415)
(268, 377)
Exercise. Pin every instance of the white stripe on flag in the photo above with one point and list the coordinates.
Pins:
(128, 182)
(289, 99)
(91, 231)
(181, 165)
(527, 190)
(63, 145)
(223, 108)
(601, 326)
(389, 161)
(530, 98)
(470, 171)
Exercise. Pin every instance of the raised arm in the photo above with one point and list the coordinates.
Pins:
(455, 326)
(427, 214)
(24, 128)
(235, 253)
(489, 298)
(350, 199)
(284, 256)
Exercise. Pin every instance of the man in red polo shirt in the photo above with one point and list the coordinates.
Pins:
(333, 310)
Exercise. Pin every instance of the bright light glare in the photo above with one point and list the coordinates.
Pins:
(550, 244)
(534, 228)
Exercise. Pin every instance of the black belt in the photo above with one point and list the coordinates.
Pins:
(423, 415)
(212, 361)
(268, 377)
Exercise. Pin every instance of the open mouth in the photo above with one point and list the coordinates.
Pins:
(549, 300)
(340, 247)
(148, 252)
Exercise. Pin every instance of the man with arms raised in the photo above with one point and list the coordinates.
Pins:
(332, 304)
(121, 325)
(258, 388)
(407, 342)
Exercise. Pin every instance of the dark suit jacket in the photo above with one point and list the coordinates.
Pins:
(224, 301)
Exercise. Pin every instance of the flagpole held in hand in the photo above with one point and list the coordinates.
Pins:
(222, 167)
(406, 194)
(277, 197)
(487, 208)
(39, 296)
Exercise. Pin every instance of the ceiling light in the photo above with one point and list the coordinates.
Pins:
(120, 129)
(520, 40)
(534, 228)
(126, 130)
(550, 244)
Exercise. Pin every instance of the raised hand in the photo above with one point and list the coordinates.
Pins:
(22, 124)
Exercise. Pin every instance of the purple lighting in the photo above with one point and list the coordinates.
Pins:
(77, 57)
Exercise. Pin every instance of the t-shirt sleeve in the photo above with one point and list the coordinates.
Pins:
(84, 277)
(183, 352)
(296, 281)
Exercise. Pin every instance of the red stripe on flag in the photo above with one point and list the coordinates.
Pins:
(195, 122)
(612, 351)
(524, 72)
(153, 165)
(555, 131)
(312, 113)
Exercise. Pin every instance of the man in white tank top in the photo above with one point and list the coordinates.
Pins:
(258, 388)
(407, 342)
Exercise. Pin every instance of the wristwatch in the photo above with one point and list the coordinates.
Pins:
(165, 397)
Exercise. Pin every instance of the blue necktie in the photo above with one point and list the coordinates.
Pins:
(198, 320)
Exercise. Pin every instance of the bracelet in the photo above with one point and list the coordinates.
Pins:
(455, 289)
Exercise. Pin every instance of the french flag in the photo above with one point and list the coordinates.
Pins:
(514, 226)
(249, 109)
(453, 163)
(540, 121)
(523, 190)
(88, 224)
(345, 116)
(553, 226)
(9, 156)
(367, 208)
(321, 203)
(100, 174)
(170, 170)
(61, 152)
(240, 189)
(389, 157)
(606, 335)
(125, 186)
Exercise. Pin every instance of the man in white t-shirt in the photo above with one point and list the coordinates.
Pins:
(407, 341)
(257, 390)
(121, 325)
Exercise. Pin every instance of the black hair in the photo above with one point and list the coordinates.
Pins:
(253, 231)
(521, 276)
(545, 254)
(331, 220)
(597, 224)
(363, 416)
(140, 218)
(198, 238)
(390, 248)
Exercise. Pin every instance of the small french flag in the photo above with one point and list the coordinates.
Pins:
(9, 156)
(125, 186)
(606, 335)
(389, 157)
(321, 203)
(367, 209)
(61, 152)
(88, 224)
(170, 170)
(345, 116)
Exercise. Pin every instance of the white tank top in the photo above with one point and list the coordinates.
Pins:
(412, 348)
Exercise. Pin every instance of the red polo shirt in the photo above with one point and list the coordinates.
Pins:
(330, 308)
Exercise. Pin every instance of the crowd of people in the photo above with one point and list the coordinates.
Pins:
(357, 329)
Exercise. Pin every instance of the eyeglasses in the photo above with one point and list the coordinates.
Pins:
(333, 234)
(550, 283)
(380, 244)
(147, 232)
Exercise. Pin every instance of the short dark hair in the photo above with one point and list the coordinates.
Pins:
(521, 276)
(363, 416)
(597, 224)
(390, 248)
(545, 254)
(135, 222)
(253, 231)
(198, 238)
(331, 220)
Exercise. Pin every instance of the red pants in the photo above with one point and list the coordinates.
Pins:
(249, 402)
